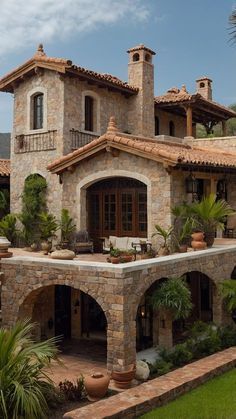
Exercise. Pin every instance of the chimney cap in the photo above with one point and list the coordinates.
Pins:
(204, 78)
(141, 47)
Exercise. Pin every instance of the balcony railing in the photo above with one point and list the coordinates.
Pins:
(42, 141)
(79, 138)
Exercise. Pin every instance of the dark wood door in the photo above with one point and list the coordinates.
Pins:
(63, 311)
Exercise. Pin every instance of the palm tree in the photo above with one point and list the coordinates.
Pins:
(23, 382)
(232, 21)
(228, 291)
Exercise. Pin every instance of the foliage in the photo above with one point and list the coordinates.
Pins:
(160, 367)
(180, 355)
(210, 213)
(4, 202)
(72, 391)
(204, 339)
(115, 252)
(33, 203)
(228, 291)
(23, 380)
(227, 336)
(174, 295)
(67, 225)
(8, 227)
(48, 225)
(165, 234)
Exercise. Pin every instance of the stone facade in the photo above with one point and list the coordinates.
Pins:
(118, 290)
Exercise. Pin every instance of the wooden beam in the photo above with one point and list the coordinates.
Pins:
(189, 113)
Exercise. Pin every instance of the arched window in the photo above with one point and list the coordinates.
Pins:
(157, 126)
(148, 58)
(37, 105)
(202, 84)
(136, 57)
(89, 113)
(171, 129)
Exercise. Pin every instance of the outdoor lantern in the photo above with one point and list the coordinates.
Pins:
(191, 184)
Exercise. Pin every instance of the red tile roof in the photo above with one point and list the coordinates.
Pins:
(40, 59)
(171, 153)
(5, 167)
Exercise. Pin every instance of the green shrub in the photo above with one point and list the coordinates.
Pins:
(8, 228)
(204, 340)
(180, 355)
(227, 336)
(161, 367)
(72, 391)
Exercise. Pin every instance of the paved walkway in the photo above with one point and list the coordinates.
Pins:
(136, 401)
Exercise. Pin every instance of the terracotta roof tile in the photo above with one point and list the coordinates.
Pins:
(140, 47)
(5, 167)
(171, 153)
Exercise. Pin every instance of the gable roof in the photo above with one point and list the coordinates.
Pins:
(64, 66)
(204, 110)
(169, 153)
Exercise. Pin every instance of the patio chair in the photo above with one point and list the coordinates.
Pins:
(83, 243)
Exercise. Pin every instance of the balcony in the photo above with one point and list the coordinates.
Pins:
(40, 141)
(79, 138)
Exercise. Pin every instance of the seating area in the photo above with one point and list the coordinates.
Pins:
(124, 243)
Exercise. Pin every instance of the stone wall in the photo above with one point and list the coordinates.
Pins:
(164, 120)
(117, 289)
(225, 143)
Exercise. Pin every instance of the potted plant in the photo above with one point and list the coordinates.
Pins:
(67, 227)
(127, 255)
(211, 214)
(8, 228)
(165, 234)
(115, 255)
(181, 237)
(48, 227)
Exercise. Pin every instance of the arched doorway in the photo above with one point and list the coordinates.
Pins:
(117, 207)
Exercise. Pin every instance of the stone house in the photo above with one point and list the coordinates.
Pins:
(118, 158)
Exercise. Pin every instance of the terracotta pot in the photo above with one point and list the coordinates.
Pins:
(198, 245)
(163, 251)
(123, 379)
(126, 258)
(96, 385)
(114, 259)
(183, 248)
(198, 236)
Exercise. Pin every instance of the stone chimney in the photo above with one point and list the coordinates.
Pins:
(141, 75)
(204, 87)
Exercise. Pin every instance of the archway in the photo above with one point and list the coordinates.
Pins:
(61, 310)
(117, 206)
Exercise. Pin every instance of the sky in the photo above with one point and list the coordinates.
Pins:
(191, 39)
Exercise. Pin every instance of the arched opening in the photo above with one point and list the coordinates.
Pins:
(148, 58)
(61, 310)
(202, 84)
(37, 111)
(136, 57)
(155, 328)
(117, 207)
(171, 129)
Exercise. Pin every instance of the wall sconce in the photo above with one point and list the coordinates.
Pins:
(191, 185)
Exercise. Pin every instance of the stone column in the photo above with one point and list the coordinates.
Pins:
(165, 329)
(189, 114)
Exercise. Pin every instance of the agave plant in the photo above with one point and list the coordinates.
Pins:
(23, 382)
(228, 291)
(173, 295)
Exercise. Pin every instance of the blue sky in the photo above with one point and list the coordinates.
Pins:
(191, 38)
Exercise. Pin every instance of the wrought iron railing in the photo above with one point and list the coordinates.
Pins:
(79, 138)
(41, 141)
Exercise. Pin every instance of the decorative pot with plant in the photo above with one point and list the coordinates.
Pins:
(96, 385)
(115, 255)
(127, 255)
(48, 227)
(165, 234)
(67, 227)
(184, 233)
(211, 214)
(123, 379)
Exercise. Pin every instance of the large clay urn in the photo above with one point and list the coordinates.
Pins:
(96, 385)
(4, 244)
(123, 379)
(198, 242)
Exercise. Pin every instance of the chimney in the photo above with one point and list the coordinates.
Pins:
(204, 87)
(141, 75)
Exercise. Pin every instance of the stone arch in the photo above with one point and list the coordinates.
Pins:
(105, 174)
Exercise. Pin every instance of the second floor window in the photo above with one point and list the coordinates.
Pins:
(89, 113)
(38, 111)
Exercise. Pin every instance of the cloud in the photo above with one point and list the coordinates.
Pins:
(23, 23)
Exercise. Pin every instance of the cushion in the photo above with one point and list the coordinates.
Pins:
(112, 241)
(121, 243)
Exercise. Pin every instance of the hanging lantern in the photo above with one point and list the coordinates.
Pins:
(191, 184)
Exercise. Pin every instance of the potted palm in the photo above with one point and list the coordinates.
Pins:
(183, 234)
(211, 214)
(115, 255)
(47, 227)
(67, 227)
(165, 234)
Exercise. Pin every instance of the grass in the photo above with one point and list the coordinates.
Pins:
(215, 399)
